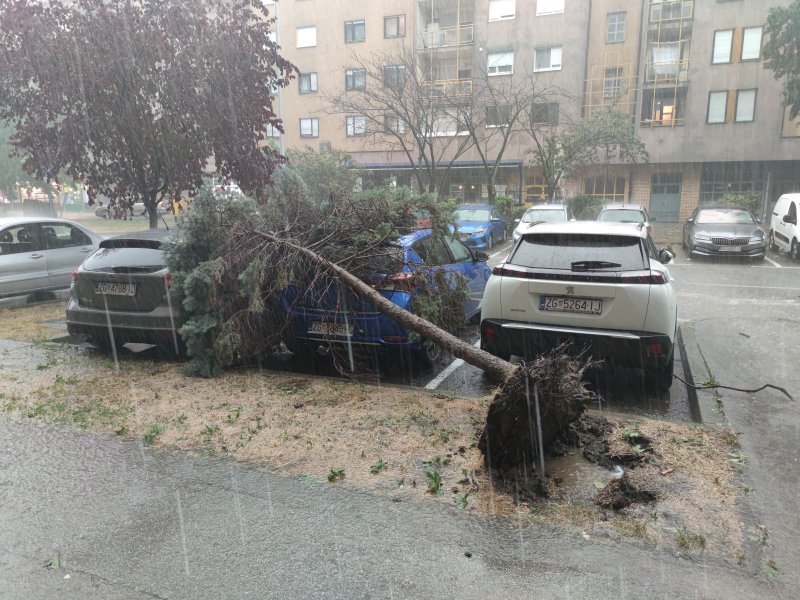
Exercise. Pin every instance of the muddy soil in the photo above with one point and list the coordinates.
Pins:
(404, 443)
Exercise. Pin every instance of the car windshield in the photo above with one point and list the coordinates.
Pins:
(724, 216)
(472, 214)
(564, 250)
(544, 216)
(622, 215)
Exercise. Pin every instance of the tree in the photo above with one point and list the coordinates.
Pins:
(11, 171)
(781, 51)
(607, 135)
(496, 116)
(395, 106)
(136, 98)
(325, 174)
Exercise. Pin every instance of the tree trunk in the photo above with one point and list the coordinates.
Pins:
(496, 367)
(151, 205)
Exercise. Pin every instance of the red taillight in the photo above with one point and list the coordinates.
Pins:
(655, 277)
(397, 339)
(74, 275)
(489, 333)
(168, 280)
(655, 349)
(507, 270)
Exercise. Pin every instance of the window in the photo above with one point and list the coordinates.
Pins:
(751, 43)
(723, 41)
(459, 251)
(745, 106)
(272, 131)
(306, 36)
(545, 113)
(394, 26)
(548, 7)
(612, 83)
(717, 107)
(498, 116)
(309, 127)
(663, 107)
(393, 124)
(355, 79)
(354, 31)
(616, 28)
(606, 186)
(394, 76)
(307, 82)
(501, 63)
(501, 9)
(547, 59)
(356, 126)
(445, 125)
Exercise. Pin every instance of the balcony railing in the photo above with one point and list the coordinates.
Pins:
(671, 11)
(667, 72)
(446, 88)
(446, 37)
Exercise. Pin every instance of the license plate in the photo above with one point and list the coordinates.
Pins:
(730, 248)
(115, 289)
(572, 305)
(331, 328)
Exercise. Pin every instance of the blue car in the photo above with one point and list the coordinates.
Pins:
(325, 315)
(480, 226)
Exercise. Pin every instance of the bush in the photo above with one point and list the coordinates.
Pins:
(752, 201)
(586, 208)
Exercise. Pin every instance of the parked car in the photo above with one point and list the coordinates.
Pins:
(626, 213)
(124, 287)
(39, 254)
(318, 317)
(541, 213)
(784, 232)
(480, 225)
(601, 286)
(724, 230)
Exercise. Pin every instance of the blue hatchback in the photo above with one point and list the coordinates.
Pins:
(480, 226)
(324, 316)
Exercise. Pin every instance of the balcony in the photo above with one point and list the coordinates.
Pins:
(667, 72)
(446, 88)
(445, 37)
(671, 10)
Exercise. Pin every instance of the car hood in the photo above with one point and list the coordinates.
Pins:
(472, 226)
(729, 229)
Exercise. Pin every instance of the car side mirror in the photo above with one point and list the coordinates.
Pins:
(758, 220)
(664, 256)
(652, 219)
(516, 220)
(690, 220)
(480, 257)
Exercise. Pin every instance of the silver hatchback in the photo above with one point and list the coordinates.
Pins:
(39, 254)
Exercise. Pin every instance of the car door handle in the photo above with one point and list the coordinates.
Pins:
(36, 256)
(85, 250)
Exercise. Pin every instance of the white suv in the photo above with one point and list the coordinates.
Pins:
(541, 213)
(602, 286)
(784, 232)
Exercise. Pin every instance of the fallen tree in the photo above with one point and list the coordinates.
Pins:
(263, 255)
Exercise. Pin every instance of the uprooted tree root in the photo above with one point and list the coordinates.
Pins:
(510, 439)
(621, 493)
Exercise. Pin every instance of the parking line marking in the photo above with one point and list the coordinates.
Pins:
(451, 368)
(768, 259)
(735, 285)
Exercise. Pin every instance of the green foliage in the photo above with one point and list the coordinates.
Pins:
(752, 201)
(781, 50)
(152, 433)
(378, 467)
(336, 474)
(326, 176)
(586, 208)
(434, 482)
(505, 206)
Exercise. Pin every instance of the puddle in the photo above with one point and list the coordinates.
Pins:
(576, 475)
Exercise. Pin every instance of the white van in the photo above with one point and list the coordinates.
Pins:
(784, 232)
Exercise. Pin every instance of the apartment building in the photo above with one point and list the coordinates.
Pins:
(689, 72)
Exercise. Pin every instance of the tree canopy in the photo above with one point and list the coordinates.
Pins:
(782, 51)
(135, 99)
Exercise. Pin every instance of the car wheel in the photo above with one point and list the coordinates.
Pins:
(794, 251)
(771, 241)
(428, 353)
(490, 242)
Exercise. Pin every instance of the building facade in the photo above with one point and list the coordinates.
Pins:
(689, 72)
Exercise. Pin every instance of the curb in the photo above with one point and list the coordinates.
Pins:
(707, 402)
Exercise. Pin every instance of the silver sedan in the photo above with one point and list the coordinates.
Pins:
(39, 254)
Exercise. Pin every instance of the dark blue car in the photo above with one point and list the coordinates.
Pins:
(480, 226)
(319, 317)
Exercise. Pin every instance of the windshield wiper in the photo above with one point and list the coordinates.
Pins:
(590, 265)
(532, 223)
